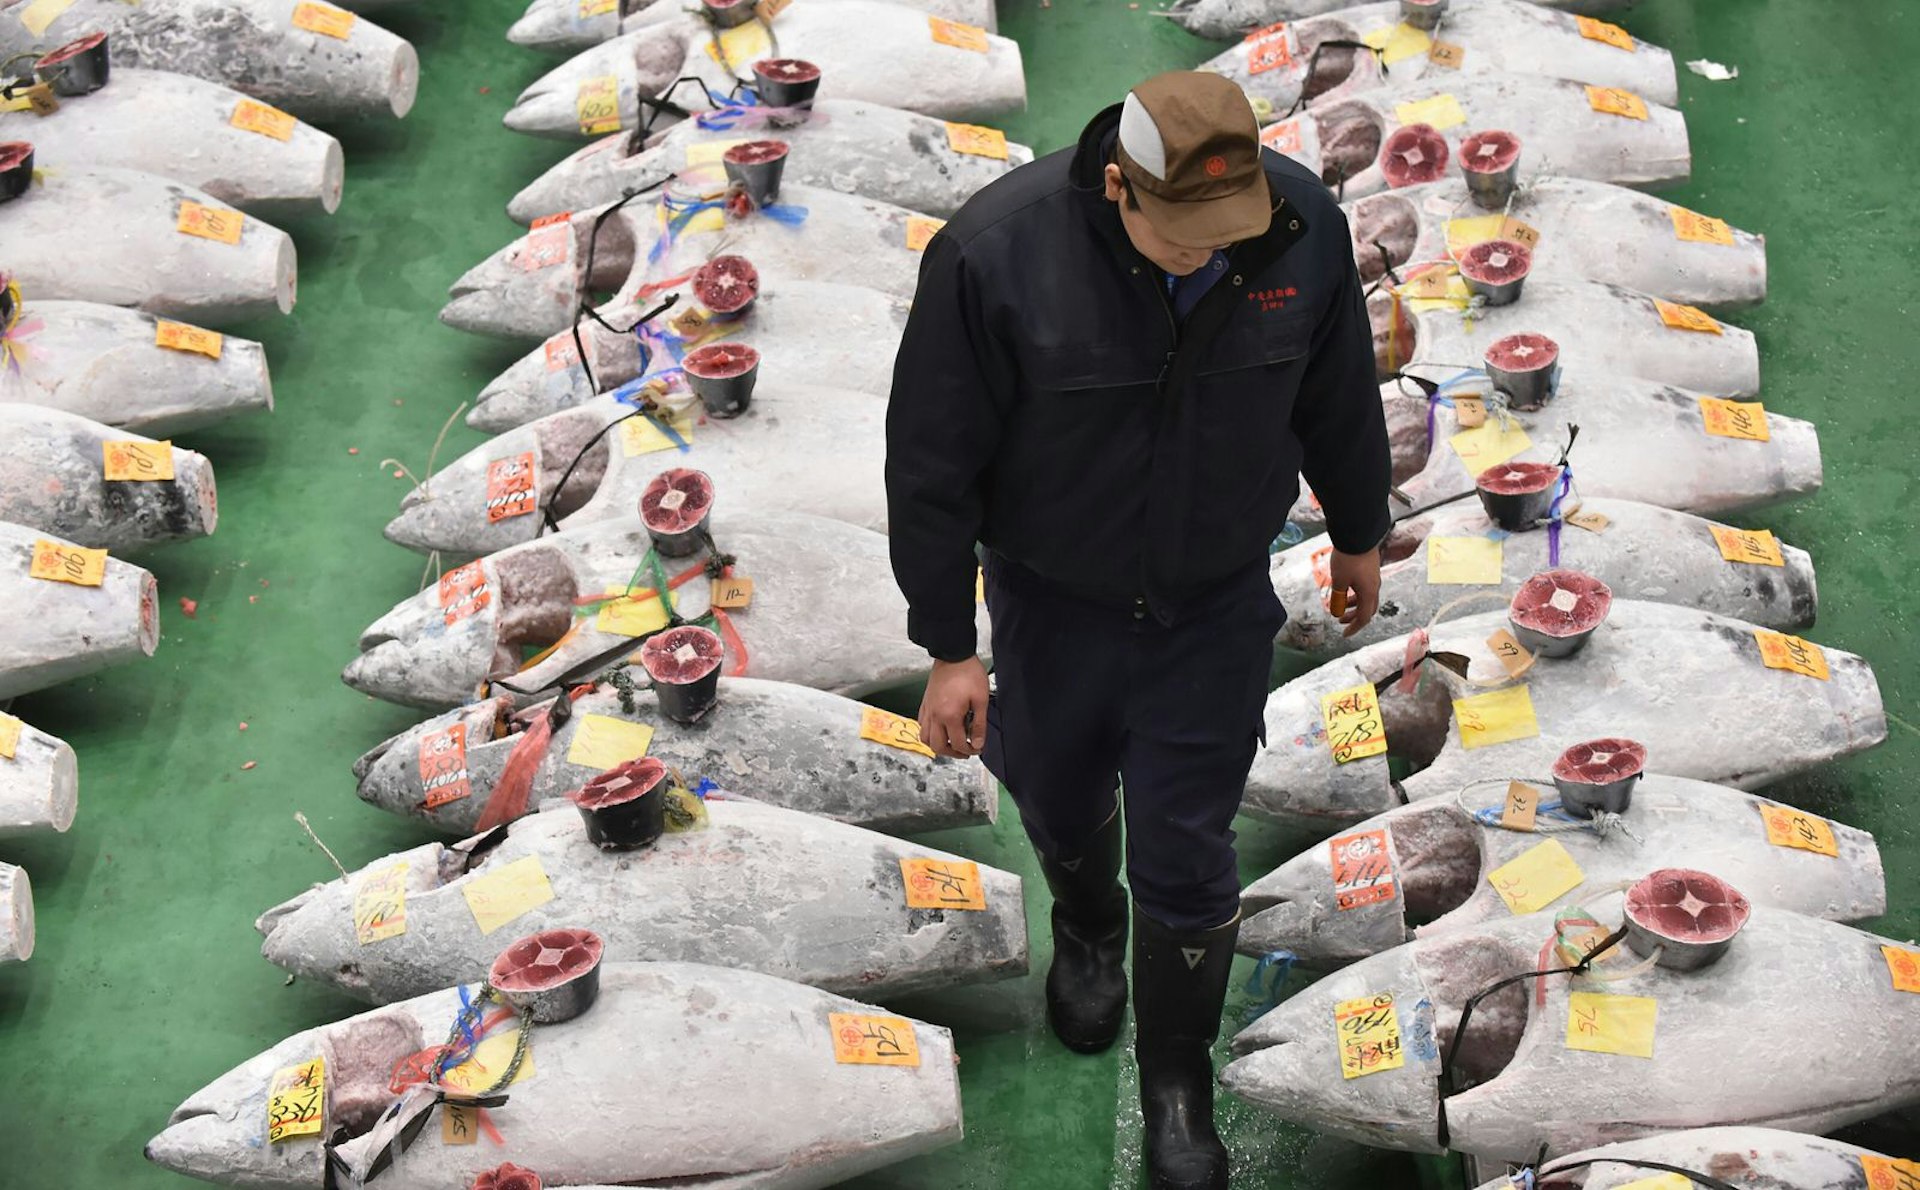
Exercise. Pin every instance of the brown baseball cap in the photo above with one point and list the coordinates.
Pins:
(1190, 145)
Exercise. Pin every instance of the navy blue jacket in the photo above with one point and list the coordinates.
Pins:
(1047, 404)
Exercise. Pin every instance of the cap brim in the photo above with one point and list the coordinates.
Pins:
(1213, 222)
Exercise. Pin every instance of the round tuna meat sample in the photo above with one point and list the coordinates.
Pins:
(554, 974)
(1496, 269)
(1414, 154)
(76, 68)
(1555, 611)
(1599, 775)
(727, 284)
(785, 82)
(1691, 917)
(1517, 495)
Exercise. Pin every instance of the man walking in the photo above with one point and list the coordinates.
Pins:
(1120, 358)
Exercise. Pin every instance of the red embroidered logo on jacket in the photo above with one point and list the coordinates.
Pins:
(1272, 299)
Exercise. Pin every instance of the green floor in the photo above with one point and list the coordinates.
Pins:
(148, 980)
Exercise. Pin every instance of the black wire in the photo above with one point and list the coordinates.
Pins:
(1707, 1180)
(1313, 64)
(1386, 262)
(586, 297)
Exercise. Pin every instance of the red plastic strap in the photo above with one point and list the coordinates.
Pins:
(1417, 646)
(731, 637)
(485, 1121)
(648, 290)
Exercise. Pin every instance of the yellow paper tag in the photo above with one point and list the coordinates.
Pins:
(604, 742)
(458, 1124)
(1613, 35)
(1746, 420)
(296, 1099)
(1536, 878)
(324, 19)
(630, 615)
(1510, 653)
(1523, 802)
(640, 435)
(490, 1060)
(1464, 560)
(740, 45)
(1665, 1181)
(74, 564)
(178, 336)
(9, 735)
(1355, 729)
(209, 223)
(502, 895)
(953, 33)
(1489, 445)
(1890, 1173)
(1780, 651)
(707, 153)
(861, 1040)
(1756, 546)
(943, 884)
(1441, 111)
(41, 13)
(1465, 233)
(1398, 43)
(37, 99)
(1369, 1033)
(1686, 318)
(1904, 966)
(1698, 228)
(1469, 412)
(895, 731)
(1592, 522)
(250, 115)
(596, 8)
(1602, 1024)
(1615, 102)
(380, 905)
(1788, 827)
(977, 140)
(920, 229)
(127, 461)
(730, 593)
(1438, 289)
(1447, 54)
(1497, 717)
(596, 105)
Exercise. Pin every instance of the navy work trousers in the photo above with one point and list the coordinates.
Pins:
(1089, 697)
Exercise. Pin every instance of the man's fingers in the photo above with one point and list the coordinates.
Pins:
(977, 725)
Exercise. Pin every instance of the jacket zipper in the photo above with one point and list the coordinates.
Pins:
(1173, 331)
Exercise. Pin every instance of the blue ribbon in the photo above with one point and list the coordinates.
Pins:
(628, 394)
(1291, 534)
(726, 112)
(1438, 399)
(1553, 514)
(706, 786)
(1267, 988)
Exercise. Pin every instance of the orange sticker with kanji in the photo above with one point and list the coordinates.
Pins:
(953, 33)
(1615, 102)
(1745, 420)
(60, 563)
(1282, 138)
(463, 592)
(250, 115)
(943, 884)
(178, 336)
(209, 223)
(443, 766)
(1601, 31)
(1780, 651)
(561, 353)
(861, 1040)
(1904, 966)
(1890, 1173)
(1699, 229)
(542, 249)
(1788, 827)
(510, 487)
(977, 141)
(324, 19)
(1268, 50)
(127, 461)
(920, 230)
(1686, 318)
(895, 731)
(1362, 869)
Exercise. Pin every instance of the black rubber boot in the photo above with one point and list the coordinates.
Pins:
(1179, 988)
(1087, 984)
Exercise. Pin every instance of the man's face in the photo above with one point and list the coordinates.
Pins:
(1150, 244)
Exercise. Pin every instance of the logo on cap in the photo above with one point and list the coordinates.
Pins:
(1216, 166)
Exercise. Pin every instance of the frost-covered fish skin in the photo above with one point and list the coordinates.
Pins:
(113, 236)
(811, 450)
(1754, 1156)
(1491, 35)
(568, 26)
(807, 332)
(53, 477)
(39, 787)
(1589, 231)
(182, 128)
(532, 288)
(59, 631)
(714, 1040)
(103, 363)
(1224, 20)
(253, 46)
(1651, 672)
(829, 909)
(823, 613)
(865, 49)
(1440, 853)
(16, 915)
(776, 742)
(1560, 131)
(1645, 553)
(858, 148)
(1827, 983)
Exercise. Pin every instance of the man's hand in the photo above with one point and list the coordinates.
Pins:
(1356, 590)
(953, 715)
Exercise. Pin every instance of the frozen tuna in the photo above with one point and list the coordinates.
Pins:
(1755, 1156)
(822, 613)
(876, 152)
(197, 133)
(533, 287)
(16, 915)
(776, 742)
(316, 61)
(1580, 230)
(58, 630)
(1566, 128)
(1424, 869)
(39, 783)
(1647, 667)
(1224, 20)
(123, 368)
(811, 450)
(1637, 1054)
(831, 908)
(127, 238)
(583, 1110)
(567, 26)
(1454, 561)
(1479, 36)
(807, 332)
(53, 477)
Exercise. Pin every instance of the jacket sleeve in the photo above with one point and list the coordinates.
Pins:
(944, 421)
(1340, 422)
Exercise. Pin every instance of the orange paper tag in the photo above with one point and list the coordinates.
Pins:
(178, 336)
(977, 140)
(1698, 228)
(1511, 654)
(920, 229)
(209, 223)
(296, 1099)
(1520, 233)
(895, 731)
(250, 115)
(766, 10)
(324, 19)
(380, 905)
(1686, 318)
(1745, 420)
(1615, 102)
(1355, 729)
(9, 735)
(953, 33)
(861, 1040)
(943, 884)
(1469, 412)
(1780, 651)
(1523, 802)
(463, 592)
(137, 461)
(1447, 54)
(1755, 546)
(510, 487)
(1904, 966)
(38, 99)
(1613, 35)
(1890, 1173)
(443, 766)
(458, 1124)
(74, 564)
(1267, 49)
(597, 105)
(734, 591)
(1592, 522)
(1282, 138)
(561, 353)
(1362, 869)
(1788, 827)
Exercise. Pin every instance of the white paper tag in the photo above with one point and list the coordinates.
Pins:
(1564, 600)
(673, 500)
(685, 654)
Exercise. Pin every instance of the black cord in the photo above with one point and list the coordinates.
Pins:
(1313, 64)
(586, 298)
(1707, 1180)
(1386, 262)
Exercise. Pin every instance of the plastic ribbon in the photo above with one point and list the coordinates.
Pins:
(1438, 397)
(1268, 986)
(17, 328)
(1553, 514)
(629, 394)
(1418, 642)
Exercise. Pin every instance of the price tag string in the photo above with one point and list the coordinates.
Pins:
(1552, 817)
